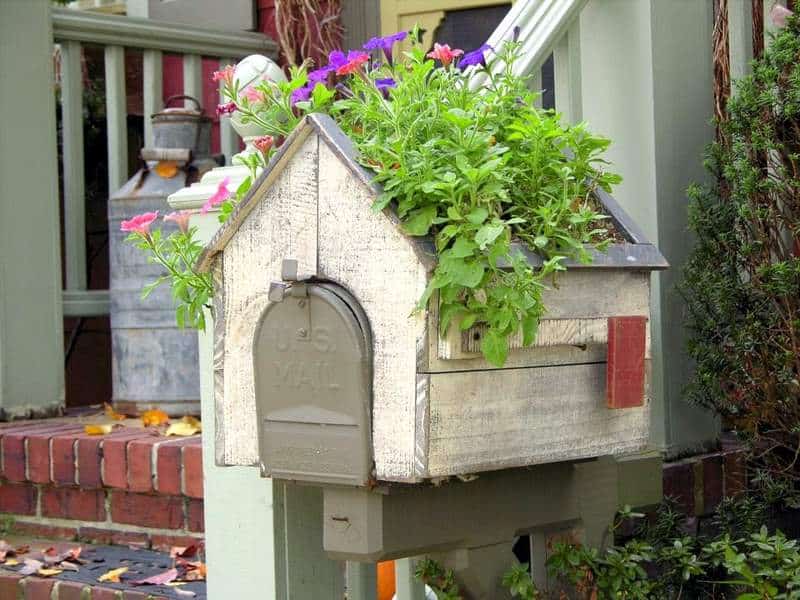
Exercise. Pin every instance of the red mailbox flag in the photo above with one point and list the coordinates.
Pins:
(625, 368)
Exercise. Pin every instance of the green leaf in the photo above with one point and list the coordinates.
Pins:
(489, 233)
(540, 241)
(494, 347)
(419, 221)
(453, 214)
(478, 216)
(467, 321)
(530, 327)
(458, 117)
(462, 248)
(466, 273)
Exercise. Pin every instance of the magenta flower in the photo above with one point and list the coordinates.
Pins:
(222, 194)
(225, 75)
(476, 57)
(443, 53)
(181, 218)
(779, 14)
(264, 143)
(226, 109)
(355, 60)
(139, 224)
(386, 43)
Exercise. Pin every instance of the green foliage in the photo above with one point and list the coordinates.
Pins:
(743, 276)
(177, 253)
(519, 583)
(442, 581)
(473, 170)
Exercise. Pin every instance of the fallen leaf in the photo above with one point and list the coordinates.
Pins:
(189, 419)
(22, 550)
(195, 571)
(98, 429)
(30, 567)
(154, 417)
(183, 551)
(68, 566)
(112, 414)
(11, 562)
(186, 593)
(48, 572)
(160, 579)
(182, 429)
(5, 549)
(113, 575)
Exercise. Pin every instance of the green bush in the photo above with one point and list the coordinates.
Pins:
(742, 280)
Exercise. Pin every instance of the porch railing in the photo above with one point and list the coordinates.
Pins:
(73, 28)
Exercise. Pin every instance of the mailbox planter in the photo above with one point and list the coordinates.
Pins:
(324, 372)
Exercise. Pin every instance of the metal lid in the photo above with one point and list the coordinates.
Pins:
(180, 113)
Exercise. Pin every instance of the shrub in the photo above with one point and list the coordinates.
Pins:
(742, 280)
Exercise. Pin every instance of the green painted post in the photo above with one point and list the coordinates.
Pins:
(362, 581)
(646, 83)
(31, 330)
(408, 587)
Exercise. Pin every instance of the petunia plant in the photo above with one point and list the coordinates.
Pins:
(474, 170)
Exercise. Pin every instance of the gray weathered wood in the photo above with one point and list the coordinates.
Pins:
(484, 420)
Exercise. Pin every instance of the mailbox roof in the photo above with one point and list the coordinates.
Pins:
(639, 253)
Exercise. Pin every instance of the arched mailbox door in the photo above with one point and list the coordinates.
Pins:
(312, 358)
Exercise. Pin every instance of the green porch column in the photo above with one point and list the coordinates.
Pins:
(647, 83)
(31, 338)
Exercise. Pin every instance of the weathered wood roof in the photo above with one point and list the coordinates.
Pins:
(639, 253)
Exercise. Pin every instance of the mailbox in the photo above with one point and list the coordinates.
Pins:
(325, 373)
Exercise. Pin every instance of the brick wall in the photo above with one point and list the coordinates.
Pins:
(129, 487)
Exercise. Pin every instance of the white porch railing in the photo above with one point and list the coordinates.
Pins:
(73, 28)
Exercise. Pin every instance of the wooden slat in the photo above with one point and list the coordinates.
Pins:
(153, 86)
(133, 32)
(567, 74)
(193, 78)
(228, 138)
(552, 332)
(74, 184)
(116, 117)
(485, 420)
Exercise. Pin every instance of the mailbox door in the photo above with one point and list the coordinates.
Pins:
(313, 382)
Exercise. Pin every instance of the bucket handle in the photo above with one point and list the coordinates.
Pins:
(184, 97)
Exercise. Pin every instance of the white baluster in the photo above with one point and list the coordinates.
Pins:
(193, 78)
(116, 117)
(153, 86)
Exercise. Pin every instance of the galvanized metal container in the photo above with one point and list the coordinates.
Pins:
(154, 363)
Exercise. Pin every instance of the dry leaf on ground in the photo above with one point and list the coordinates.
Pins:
(160, 579)
(30, 567)
(112, 414)
(11, 562)
(154, 417)
(185, 593)
(99, 429)
(182, 429)
(113, 575)
(183, 551)
(48, 572)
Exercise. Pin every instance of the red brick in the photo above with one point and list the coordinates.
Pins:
(678, 480)
(39, 446)
(105, 594)
(109, 537)
(13, 446)
(163, 543)
(713, 482)
(735, 473)
(9, 586)
(169, 466)
(63, 450)
(115, 458)
(165, 512)
(193, 471)
(90, 456)
(38, 589)
(44, 531)
(140, 465)
(627, 342)
(17, 498)
(70, 590)
(132, 595)
(73, 503)
(194, 516)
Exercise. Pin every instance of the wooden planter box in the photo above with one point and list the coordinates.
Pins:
(324, 372)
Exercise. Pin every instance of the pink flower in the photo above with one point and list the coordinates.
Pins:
(139, 224)
(443, 53)
(354, 61)
(228, 108)
(222, 194)
(225, 75)
(264, 143)
(181, 218)
(779, 14)
(253, 95)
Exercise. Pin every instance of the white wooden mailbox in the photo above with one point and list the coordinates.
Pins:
(325, 373)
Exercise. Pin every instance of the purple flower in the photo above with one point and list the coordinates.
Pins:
(320, 75)
(384, 84)
(386, 43)
(301, 94)
(336, 59)
(476, 57)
